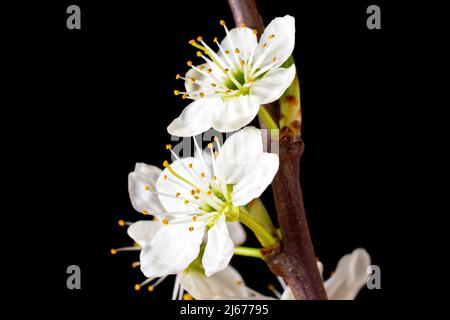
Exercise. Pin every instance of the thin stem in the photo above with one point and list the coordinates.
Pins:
(267, 118)
(248, 252)
(266, 239)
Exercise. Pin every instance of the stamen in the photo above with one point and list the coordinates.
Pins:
(135, 264)
(176, 287)
(271, 36)
(187, 296)
(167, 165)
(137, 287)
(121, 223)
(191, 229)
(165, 221)
(133, 248)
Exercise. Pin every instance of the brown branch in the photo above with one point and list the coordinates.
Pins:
(295, 259)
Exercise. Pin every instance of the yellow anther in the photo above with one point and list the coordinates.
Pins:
(226, 70)
(186, 202)
(151, 288)
(176, 92)
(202, 174)
(190, 165)
(216, 138)
(192, 41)
(199, 54)
(202, 67)
(239, 282)
(192, 79)
(146, 188)
(196, 197)
(194, 218)
(165, 177)
(177, 76)
(137, 287)
(215, 39)
(189, 63)
(155, 218)
(135, 264)
(144, 211)
(237, 50)
(187, 296)
(165, 221)
(271, 287)
(210, 145)
(209, 70)
(177, 194)
(255, 31)
(264, 45)
(243, 25)
(271, 36)
(168, 146)
(214, 178)
(197, 190)
(165, 164)
(242, 62)
(209, 193)
(227, 51)
(184, 96)
(113, 251)
(274, 59)
(121, 223)
(199, 38)
(191, 229)
(201, 94)
(213, 85)
(192, 191)
(222, 22)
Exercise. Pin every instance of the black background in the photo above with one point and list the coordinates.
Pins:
(91, 103)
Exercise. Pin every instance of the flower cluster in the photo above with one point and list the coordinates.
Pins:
(198, 203)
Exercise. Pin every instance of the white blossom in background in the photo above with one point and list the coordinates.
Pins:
(229, 87)
(193, 201)
(347, 280)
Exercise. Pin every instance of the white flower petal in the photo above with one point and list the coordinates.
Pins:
(142, 232)
(195, 118)
(173, 185)
(282, 45)
(256, 179)
(240, 150)
(172, 249)
(219, 248)
(142, 178)
(273, 84)
(225, 284)
(243, 39)
(237, 232)
(192, 73)
(350, 276)
(235, 113)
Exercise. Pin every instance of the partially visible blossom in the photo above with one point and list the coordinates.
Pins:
(229, 87)
(348, 279)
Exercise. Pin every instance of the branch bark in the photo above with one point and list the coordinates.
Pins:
(294, 259)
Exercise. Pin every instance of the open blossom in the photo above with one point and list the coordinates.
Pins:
(229, 87)
(347, 280)
(194, 199)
